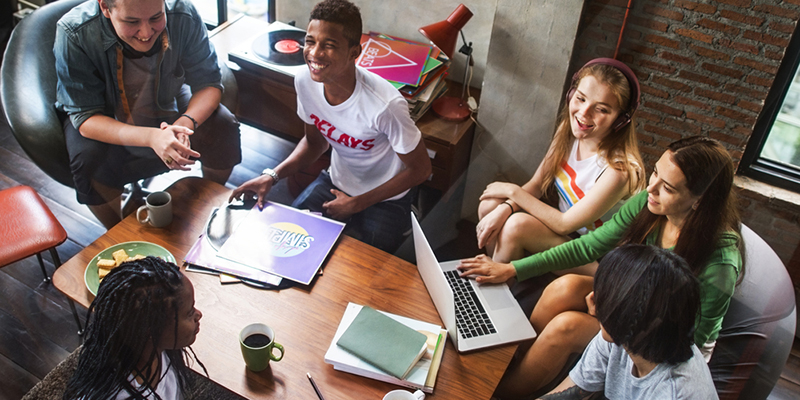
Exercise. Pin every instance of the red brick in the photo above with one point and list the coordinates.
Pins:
(718, 26)
(770, 69)
(715, 122)
(738, 17)
(642, 49)
(698, 78)
(724, 137)
(776, 10)
(656, 66)
(645, 115)
(660, 40)
(698, 7)
(708, 53)
(752, 93)
(715, 95)
(738, 45)
(644, 138)
(662, 132)
(660, 80)
(663, 144)
(749, 105)
(657, 152)
(693, 34)
(648, 23)
(677, 58)
(683, 126)
(785, 28)
(609, 27)
(764, 38)
(796, 2)
(742, 130)
(694, 103)
(718, 69)
(654, 92)
(766, 82)
(737, 3)
(663, 108)
(663, 12)
(774, 55)
(736, 115)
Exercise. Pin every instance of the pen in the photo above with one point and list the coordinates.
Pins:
(314, 384)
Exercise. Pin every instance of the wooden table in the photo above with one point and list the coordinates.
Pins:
(304, 318)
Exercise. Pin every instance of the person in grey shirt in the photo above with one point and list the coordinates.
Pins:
(646, 300)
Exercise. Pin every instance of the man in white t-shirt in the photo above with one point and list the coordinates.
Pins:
(378, 154)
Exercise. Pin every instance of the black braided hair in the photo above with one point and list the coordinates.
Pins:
(647, 299)
(135, 304)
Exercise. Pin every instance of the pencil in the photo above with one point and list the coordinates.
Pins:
(314, 384)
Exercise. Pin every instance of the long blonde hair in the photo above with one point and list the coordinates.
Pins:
(619, 148)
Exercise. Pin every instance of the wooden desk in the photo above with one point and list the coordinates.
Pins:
(304, 319)
(267, 100)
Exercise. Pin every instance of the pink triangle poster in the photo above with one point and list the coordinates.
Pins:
(393, 60)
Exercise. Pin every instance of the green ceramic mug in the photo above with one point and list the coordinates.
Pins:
(257, 342)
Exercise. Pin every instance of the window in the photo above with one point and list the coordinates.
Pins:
(773, 153)
(216, 12)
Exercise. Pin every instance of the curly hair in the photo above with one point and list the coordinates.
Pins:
(647, 299)
(136, 303)
(340, 12)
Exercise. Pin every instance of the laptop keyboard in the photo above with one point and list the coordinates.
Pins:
(471, 318)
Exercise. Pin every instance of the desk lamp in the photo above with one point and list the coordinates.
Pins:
(444, 35)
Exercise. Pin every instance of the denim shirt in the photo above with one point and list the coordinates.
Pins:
(86, 60)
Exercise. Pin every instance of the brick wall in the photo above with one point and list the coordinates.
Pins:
(705, 68)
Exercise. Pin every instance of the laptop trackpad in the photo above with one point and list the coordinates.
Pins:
(498, 297)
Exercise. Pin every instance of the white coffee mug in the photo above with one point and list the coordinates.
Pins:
(158, 208)
(404, 395)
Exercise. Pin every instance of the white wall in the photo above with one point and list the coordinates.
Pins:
(403, 18)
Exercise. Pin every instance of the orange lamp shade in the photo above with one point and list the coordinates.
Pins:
(444, 34)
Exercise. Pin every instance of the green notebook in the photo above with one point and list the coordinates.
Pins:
(383, 342)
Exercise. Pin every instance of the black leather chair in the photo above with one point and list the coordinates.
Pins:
(28, 90)
(758, 329)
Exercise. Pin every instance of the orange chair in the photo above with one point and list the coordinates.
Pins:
(28, 227)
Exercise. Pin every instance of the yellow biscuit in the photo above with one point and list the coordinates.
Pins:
(120, 256)
(102, 272)
(107, 264)
(136, 257)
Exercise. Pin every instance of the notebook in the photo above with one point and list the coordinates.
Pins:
(476, 315)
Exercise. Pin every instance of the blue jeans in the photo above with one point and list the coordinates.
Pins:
(382, 225)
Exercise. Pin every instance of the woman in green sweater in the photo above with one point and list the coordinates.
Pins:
(689, 207)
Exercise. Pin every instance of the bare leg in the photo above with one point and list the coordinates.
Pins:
(485, 208)
(567, 293)
(217, 175)
(523, 232)
(567, 333)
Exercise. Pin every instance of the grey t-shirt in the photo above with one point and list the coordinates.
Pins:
(606, 367)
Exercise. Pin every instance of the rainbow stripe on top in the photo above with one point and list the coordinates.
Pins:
(570, 193)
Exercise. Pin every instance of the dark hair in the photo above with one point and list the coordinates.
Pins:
(136, 303)
(709, 171)
(341, 12)
(647, 300)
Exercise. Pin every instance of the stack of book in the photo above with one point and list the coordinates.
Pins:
(416, 69)
(387, 347)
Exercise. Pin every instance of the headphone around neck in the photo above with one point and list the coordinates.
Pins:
(624, 117)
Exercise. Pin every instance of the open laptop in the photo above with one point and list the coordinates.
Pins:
(499, 318)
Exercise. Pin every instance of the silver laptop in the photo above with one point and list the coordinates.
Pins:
(476, 315)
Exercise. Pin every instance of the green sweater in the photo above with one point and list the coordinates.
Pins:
(717, 280)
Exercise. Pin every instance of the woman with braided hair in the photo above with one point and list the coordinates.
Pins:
(689, 207)
(139, 328)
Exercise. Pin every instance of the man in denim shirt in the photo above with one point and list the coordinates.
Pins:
(125, 69)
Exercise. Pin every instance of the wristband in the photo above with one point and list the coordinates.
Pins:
(509, 205)
(191, 119)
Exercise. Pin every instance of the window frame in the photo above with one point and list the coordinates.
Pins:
(752, 164)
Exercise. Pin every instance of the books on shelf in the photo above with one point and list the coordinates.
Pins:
(421, 374)
(421, 80)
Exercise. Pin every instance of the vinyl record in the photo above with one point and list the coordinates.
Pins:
(282, 47)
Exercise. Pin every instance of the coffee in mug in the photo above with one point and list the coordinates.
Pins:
(257, 342)
(158, 209)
